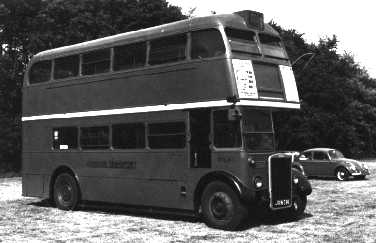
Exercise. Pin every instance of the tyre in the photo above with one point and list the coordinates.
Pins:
(66, 193)
(342, 174)
(299, 203)
(221, 206)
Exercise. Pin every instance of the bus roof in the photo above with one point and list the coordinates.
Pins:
(213, 21)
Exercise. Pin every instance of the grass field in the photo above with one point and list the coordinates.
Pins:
(336, 212)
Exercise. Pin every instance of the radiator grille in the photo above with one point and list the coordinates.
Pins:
(280, 181)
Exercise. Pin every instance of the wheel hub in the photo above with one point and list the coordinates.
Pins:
(65, 193)
(220, 205)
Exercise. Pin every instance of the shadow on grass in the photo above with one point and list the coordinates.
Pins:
(270, 218)
(255, 219)
(317, 178)
(121, 209)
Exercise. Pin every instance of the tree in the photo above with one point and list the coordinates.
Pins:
(30, 26)
(337, 96)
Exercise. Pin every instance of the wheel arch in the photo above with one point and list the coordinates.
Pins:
(225, 177)
(339, 167)
(58, 171)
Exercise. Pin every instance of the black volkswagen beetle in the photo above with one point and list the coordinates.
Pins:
(327, 162)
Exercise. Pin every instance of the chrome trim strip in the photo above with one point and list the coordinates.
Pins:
(167, 107)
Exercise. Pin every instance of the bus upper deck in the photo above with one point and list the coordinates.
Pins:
(200, 62)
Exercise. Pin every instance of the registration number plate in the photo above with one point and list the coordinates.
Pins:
(282, 203)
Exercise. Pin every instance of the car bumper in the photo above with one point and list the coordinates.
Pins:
(360, 173)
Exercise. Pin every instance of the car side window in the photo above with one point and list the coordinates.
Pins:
(320, 156)
(307, 155)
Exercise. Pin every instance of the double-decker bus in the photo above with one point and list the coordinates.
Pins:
(177, 117)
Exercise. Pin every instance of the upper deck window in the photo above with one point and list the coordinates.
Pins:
(168, 49)
(272, 46)
(66, 67)
(129, 56)
(269, 83)
(96, 62)
(270, 40)
(242, 40)
(40, 72)
(207, 43)
(240, 35)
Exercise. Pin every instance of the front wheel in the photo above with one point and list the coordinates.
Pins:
(299, 203)
(342, 174)
(66, 192)
(221, 207)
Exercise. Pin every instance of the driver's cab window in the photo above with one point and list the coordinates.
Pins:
(320, 156)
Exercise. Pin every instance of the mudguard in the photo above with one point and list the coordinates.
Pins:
(304, 186)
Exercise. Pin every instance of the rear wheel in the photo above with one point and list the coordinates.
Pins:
(342, 174)
(221, 207)
(66, 192)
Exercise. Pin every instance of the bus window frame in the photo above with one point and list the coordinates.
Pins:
(237, 52)
(53, 79)
(212, 134)
(159, 121)
(103, 49)
(107, 148)
(28, 72)
(128, 149)
(146, 66)
(78, 148)
(184, 33)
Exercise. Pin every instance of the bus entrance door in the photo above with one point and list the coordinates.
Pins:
(200, 154)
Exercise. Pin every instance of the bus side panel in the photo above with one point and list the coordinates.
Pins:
(156, 193)
(141, 178)
(35, 166)
(198, 81)
(33, 185)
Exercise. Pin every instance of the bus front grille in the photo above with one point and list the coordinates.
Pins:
(280, 188)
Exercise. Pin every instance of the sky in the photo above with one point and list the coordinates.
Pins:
(353, 22)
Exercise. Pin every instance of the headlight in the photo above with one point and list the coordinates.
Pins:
(365, 166)
(351, 166)
(258, 182)
(296, 180)
(251, 161)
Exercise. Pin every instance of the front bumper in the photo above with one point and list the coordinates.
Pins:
(360, 172)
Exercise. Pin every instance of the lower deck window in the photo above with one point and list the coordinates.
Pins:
(166, 135)
(65, 138)
(128, 136)
(94, 137)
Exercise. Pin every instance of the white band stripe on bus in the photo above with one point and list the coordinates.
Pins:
(168, 107)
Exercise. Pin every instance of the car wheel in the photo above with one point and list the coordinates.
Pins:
(221, 207)
(342, 174)
(66, 192)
